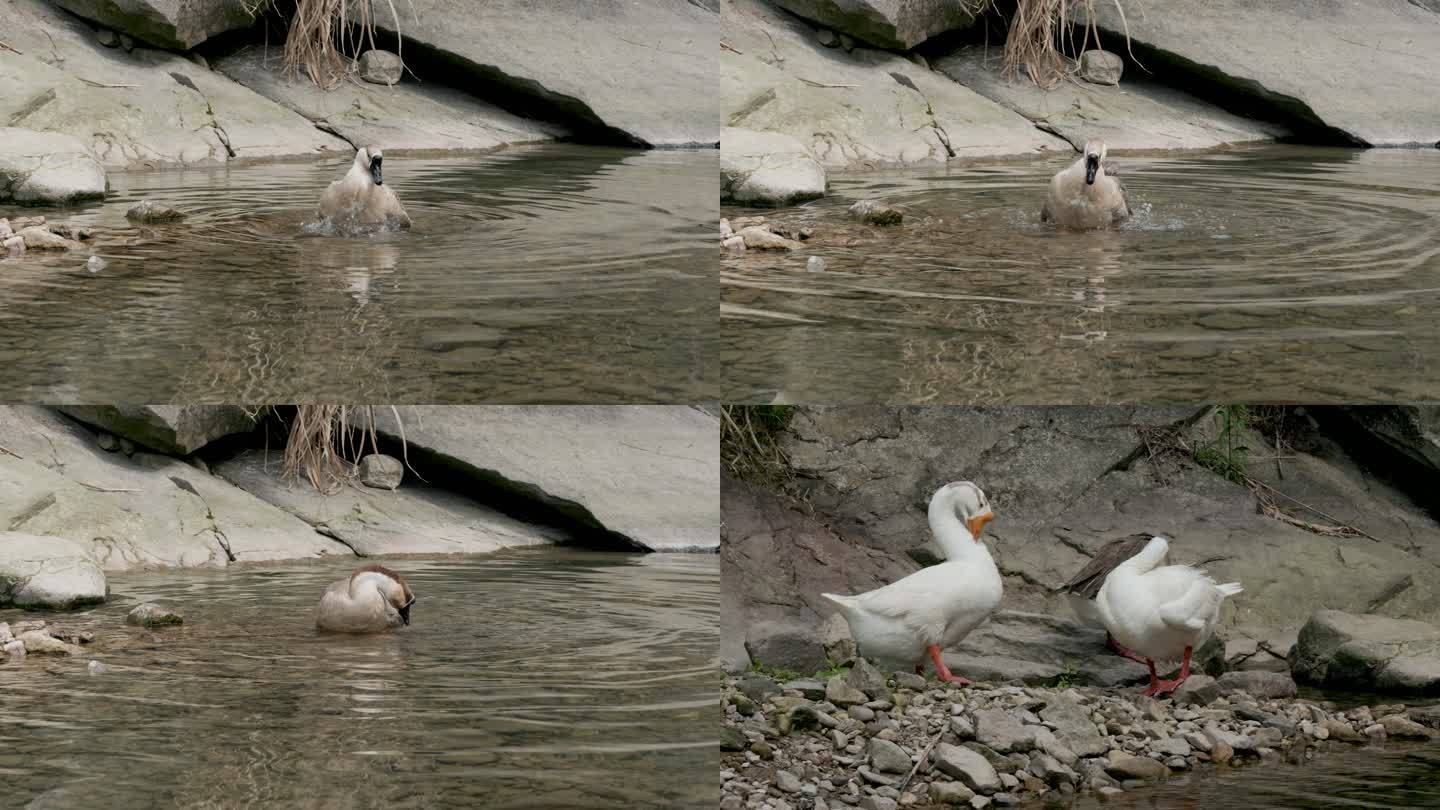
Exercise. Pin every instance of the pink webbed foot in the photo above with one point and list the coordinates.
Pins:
(943, 672)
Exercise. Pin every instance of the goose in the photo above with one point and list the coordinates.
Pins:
(1084, 196)
(1161, 612)
(937, 606)
(361, 198)
(373, 599)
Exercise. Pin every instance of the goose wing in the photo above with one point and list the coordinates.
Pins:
(1196, 604)
(1112, 171)
(918, 602)
(1087, 582)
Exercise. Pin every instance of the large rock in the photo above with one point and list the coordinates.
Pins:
(139, 511)
(1040, 649)
(770, 605)
(860, 109)
(140, 109)
(414, 520)
(647, 473)
(767, 168)
(411, 115)
(175, 24)
(1138, 115)
(1355, 68)
(174, 429)
(1411, 430)
(900, 24)
(48, 572)
(46, 168)
(643, 69)
(1368, 652)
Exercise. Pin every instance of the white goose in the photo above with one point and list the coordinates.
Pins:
(1161, 612)
(361, 198)
(937, 606)
(373, 599)
(1084, 196)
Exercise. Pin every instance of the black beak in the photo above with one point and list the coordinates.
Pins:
(1092, 165)
(405, 611)
(375, 175)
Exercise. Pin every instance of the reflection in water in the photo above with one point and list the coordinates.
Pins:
(536, 274)
(528, 679)
(1398, 776)
(1277, 273)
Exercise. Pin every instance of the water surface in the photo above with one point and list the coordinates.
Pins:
(1275, 273)
(542, 678)
(536, 274)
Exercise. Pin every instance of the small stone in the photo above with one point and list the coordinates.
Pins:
(95, 264)
(38, 237)
(847, 42)
(381, 67)
(734, 244)
(14, 245)
(1101, 67)
(15, 647)
(906, 680)
(107, 442)
(1267, 737)
(1001, 731)
(5, 230)
(96, 668)
(152, 213)
(815, 264)
(39, 641)
(827, 38)
(967, 766)
(731, 739)
(1260, 683)
(725, 233)
(878, 803)
(840, 693)
(760, 238)
(126, 446)
(127, 42)
(950, 793)
(1198, 690)
(865, 677)
(1341, 730)
(1221, 752)
(150, 614)
(380, 471)
(875, 212)
(787, 781)
(762, 749)
(1375, 732)
(962, 727)
(862, 713)
(1124, 766)
(107, 38)
(1107, 792)
(757, 687)
(887, 757)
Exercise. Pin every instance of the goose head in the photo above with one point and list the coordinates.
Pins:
(969, 504)
(368, 160)
(1094, 153)
(390, 585)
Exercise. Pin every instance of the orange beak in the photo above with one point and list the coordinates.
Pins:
(977, 524)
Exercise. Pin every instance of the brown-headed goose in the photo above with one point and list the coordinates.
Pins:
(371, 600)
(361, 198)
(1083, 196)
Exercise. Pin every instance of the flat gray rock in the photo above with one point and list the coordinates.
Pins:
(408, 116)
(175, 24)
(174, 429)
(412, 520)
(1368, 652)
(647, 473)
(48, 572)
(1355, 67)
(1137, 114)
(895, 24)
(767, 168)
(47, 168)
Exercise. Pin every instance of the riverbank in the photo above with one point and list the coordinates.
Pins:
(864, 739)
(96, 490)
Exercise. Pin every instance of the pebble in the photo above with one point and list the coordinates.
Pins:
(96, 668)
(150, 614)
(95, 264)
(815, 264)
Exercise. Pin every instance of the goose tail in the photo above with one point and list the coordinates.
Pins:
(842, 601)
(1229, 588)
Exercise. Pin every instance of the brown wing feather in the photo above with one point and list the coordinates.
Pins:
(380, 569)
(1087, 583)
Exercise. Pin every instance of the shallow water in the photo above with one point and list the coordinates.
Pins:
(1400, 776)
(529, 679)
(1276, 273)
(536, 274)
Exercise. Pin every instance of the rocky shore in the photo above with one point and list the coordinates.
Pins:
(861, 738)
(89, 490)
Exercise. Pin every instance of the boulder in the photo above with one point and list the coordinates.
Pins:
(1354, 69)
(381, 67)
(641, 69)
(1143, 115)
(410, 115)
(177, 430)
(876, 212)
(767, 168)
(894, 24)
(1260, 683)
(48, 572)
(643, 475)
(1040, 649)
(164, 109)
(47, 168)
(1411, 430)
(770, 600)
(41, 642)
(415, 520)
(859, 109)
(140, 511)
(175, 24)
(147, 212)
(1368, 652)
